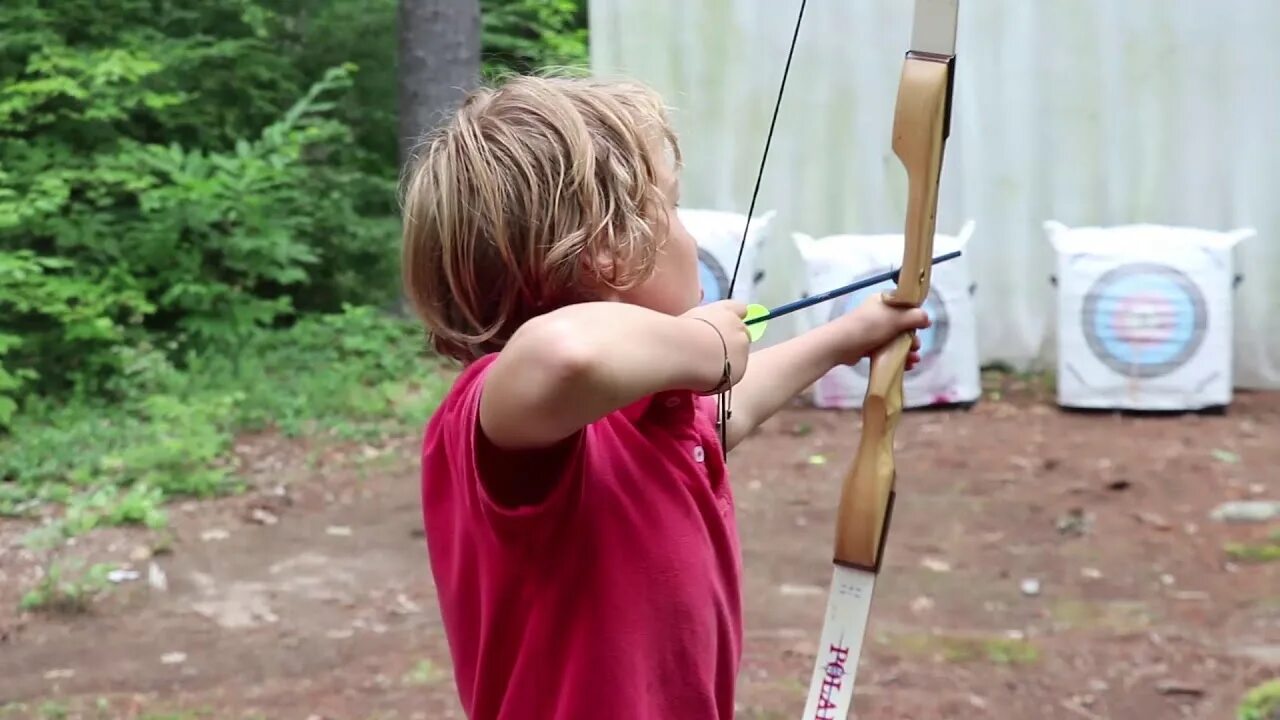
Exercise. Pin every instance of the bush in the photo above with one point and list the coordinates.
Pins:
(138, 203)
(197, 221)
(352, 376)
(1262, 702)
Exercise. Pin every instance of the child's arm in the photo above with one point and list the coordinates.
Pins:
(570, 367)
(777, 374)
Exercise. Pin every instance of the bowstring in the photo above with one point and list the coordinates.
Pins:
(725, 398)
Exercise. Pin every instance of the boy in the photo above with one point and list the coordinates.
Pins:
(578, 516)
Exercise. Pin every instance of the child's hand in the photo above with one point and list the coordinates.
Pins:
(726, 317)
(873, 324)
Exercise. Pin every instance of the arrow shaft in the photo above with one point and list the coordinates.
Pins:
(840, 291)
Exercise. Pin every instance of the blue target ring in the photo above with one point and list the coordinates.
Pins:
(932, 339)
(1144, 320)
(715, 284)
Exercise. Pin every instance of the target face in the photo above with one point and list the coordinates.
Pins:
(1144, 320)
(932, 339)
(715, 284)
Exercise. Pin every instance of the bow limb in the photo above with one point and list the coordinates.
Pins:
(920, 129)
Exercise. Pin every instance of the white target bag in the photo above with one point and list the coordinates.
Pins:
(719, 236)
(1144, 316)
(948, 372)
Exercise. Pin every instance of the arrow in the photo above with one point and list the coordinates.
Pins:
(759, 314)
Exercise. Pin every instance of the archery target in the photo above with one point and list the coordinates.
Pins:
(933, 339)
(948, 372)
(719, 235)
(715, 283)
(1144, 317)
(1144, 320)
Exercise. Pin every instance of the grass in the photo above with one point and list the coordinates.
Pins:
(79, 709)
(425, 672)
(65, 589)
(1268, 551)
(1261, 703)
(1000, 380)
(354, 376)
(1118, 616)
(964, 648)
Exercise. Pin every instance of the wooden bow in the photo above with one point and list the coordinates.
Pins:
(920, 130)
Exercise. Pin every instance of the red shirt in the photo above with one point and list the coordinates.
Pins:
(617, 595)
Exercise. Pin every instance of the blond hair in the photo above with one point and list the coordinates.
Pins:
(535, 195)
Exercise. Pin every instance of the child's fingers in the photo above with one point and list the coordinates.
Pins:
(915, 319)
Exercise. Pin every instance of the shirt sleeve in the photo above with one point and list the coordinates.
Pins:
(481, 466)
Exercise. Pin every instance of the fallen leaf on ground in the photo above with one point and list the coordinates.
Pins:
(1225, 456)
(936, 564)
(799, 590)
(122, 575)
(263, 516)
(156, 577)
(1153, 519)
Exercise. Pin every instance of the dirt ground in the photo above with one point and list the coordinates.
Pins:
(1041, 564)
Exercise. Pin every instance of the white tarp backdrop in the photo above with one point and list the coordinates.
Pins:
(1089, 112)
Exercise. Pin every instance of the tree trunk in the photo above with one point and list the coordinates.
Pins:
(439, 63)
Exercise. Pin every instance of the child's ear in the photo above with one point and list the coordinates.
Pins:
(603, 264)
(598, 270)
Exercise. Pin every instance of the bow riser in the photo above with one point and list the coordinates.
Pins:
(919, 137)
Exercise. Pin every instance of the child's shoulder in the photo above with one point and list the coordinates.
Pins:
(460, 401)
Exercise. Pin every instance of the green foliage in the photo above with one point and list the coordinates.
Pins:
(1261, 703)
(1268, 551)
(424, 672)
(354, 375)
(517, 36)
(527, 35)
(176, 175)
(362, 32)
(197, 220)
(66, 589)
(160, 184)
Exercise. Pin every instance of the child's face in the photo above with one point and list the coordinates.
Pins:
(674, 287)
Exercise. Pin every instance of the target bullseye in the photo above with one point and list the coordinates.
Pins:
(1144, 320)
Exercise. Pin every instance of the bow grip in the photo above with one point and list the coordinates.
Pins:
(862, 518)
